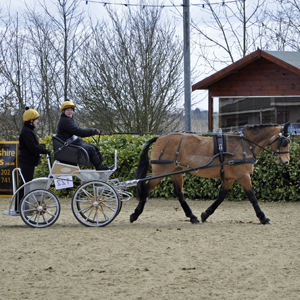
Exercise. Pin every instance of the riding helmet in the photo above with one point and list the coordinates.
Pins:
(67, 104)
(30, 114)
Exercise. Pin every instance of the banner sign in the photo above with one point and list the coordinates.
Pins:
(8, 161)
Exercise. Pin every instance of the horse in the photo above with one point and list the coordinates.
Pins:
(230, 156)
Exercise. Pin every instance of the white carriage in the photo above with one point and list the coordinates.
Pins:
(95, 203)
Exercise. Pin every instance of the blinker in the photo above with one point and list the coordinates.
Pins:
(283, 142)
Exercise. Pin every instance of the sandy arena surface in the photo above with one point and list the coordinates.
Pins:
(160, 256)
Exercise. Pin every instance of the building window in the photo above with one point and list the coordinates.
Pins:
(231, 113)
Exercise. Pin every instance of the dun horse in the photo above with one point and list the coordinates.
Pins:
(229, 156)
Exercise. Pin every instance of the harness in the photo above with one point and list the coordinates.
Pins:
(167, 161)
(220, 150)
(220, 147)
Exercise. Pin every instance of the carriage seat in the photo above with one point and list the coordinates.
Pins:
(70, 154)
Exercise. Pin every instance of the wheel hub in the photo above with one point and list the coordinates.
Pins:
(40, 208)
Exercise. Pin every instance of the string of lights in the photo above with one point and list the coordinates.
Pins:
(104, 3)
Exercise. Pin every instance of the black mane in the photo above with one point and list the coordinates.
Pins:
(258, 126)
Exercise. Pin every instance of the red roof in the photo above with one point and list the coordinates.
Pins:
(287, 60)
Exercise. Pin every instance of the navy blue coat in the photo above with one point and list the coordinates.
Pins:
(67, 128)
(29, 147)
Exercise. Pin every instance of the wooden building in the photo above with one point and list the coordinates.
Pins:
(263, 87)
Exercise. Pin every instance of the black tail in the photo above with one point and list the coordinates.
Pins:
(142, 169)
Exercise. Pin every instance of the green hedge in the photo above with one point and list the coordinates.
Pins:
(271, 182)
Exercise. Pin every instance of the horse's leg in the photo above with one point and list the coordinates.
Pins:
(225, 186)
(178, 189)
(245, 181)
(145, 189)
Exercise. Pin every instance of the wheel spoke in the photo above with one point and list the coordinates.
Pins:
(40, 208)
(101, 210)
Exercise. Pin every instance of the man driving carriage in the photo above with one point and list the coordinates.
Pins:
(67, 128)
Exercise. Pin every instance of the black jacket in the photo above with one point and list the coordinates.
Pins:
(29, 147)
(67, 128)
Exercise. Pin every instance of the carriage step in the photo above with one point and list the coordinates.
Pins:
(11, 212)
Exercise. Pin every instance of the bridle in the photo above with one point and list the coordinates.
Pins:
(284, 140)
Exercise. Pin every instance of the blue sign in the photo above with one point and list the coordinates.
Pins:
(8, 161)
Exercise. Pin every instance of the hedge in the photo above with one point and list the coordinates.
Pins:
(271, 182)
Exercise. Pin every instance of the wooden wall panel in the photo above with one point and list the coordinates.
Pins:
(260, 78)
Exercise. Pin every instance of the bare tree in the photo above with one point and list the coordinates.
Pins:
(228, 31)
(283, 29)
(37, 54)
(14, 75)
(131, 73)
(45, 70)
(68, 26)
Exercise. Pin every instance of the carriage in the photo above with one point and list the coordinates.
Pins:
(95, 203)
(98, 200)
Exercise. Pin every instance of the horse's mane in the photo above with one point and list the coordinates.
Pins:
(260, 126)
(251, 128)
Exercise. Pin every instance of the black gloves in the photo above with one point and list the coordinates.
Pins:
(96, 131)
(48, 152)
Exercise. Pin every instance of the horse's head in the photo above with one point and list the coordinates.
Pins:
(281, 146)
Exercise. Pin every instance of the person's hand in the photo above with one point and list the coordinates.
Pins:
(48, 152)
(96, 131)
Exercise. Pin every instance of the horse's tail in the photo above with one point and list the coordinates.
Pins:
(143, 166)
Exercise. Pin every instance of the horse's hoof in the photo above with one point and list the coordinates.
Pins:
(204, 216)
(133, 217)
(194, 220)
(265, 221)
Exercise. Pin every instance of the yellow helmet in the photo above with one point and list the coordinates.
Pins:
(67, 104)
(30, 114)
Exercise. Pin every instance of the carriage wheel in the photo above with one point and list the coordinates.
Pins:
(40, 208)
(121, 203)
(95, 204)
